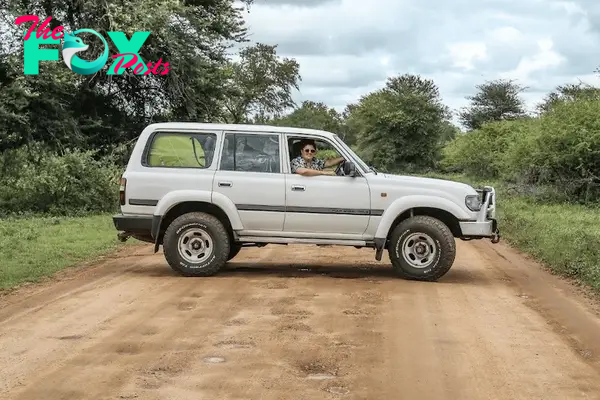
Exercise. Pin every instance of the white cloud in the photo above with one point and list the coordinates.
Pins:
(506, 35)
(570, 7)
(545, 58)
(347, 48)
(466, 54)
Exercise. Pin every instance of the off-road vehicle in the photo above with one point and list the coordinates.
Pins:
(203, 191)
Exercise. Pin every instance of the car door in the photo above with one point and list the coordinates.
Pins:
(250, 174)
(333, 206)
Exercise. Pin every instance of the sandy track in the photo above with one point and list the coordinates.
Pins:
(301, 322)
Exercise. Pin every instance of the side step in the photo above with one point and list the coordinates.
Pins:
(285, 240)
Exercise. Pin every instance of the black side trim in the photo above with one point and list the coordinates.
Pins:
(134, 224)
(309, 210)
(256, 207)
(329, 210)
(142, 202)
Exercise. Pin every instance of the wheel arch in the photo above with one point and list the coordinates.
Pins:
(446, 217)
(185, 207)
(442, 208)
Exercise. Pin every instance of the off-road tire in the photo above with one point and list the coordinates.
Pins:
(234, 250)
(444, 245)
(218, 235)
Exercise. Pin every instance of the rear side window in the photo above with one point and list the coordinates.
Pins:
(181, 150)
(251, 153)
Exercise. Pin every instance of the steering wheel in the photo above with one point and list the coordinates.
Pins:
(346, 168)
(339, 171)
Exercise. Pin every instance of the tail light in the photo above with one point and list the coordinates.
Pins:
(122, 186)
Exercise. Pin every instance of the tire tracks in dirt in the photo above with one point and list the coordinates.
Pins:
(301, 322)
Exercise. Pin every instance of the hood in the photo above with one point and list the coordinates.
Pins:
(426, 183)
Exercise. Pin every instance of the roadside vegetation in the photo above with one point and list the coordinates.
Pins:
(35, 247)
(65, 138)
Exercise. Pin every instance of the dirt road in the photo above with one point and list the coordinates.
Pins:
(301, 322)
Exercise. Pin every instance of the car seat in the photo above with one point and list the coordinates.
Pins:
(227, 158)
(295, 148)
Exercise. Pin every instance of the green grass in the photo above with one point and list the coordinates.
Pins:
(564, 237)
(37, 247)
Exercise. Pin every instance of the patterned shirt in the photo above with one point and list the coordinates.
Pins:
(299, 162)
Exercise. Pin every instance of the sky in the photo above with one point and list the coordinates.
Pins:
(347, 48)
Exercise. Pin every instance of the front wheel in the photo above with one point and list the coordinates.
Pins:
(422, 248)
(196, 244)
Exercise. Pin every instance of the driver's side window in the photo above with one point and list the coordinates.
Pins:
(325, 150)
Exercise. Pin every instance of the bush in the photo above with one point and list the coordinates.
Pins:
(481, 152)
(567, 149)
(35, 180)
(555, 157)
(327, 154)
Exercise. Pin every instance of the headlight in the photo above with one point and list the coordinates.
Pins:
(473, 202)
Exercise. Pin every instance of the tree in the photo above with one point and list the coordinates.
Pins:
(568, 93)
(260, 83)
(400, 126)
(61, 108)
(315, 115)
(496, 100)
(448, 132)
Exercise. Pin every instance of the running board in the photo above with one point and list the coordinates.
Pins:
(284, 240)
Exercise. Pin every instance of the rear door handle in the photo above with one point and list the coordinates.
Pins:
(225, 184)
(298, 188)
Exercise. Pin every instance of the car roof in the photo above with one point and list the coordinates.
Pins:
(239, 127)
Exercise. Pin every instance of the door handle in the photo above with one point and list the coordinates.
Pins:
(225, 184)
(298, 188)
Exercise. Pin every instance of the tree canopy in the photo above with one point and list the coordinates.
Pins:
(495, 100)
(61, 120)
(400, 125)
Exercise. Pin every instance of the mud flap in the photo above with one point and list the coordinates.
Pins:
(156, 222)
(379, 246)
(496, 232)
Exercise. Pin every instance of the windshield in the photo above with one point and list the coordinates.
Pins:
(352, 153)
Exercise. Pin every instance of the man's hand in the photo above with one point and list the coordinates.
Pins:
(333, 161)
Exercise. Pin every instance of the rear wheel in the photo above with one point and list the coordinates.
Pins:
(422, 248)
(196, 244)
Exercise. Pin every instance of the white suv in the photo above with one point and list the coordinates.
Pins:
(203, 191)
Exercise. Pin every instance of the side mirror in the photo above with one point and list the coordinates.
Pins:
(349, 168)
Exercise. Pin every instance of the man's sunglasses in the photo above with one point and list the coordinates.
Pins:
(309, 150)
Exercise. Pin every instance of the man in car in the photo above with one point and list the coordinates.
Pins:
(307, 164)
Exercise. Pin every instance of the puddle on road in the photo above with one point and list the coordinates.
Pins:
(337, 390)
(320, 376)
(213, 360)
(227, 344)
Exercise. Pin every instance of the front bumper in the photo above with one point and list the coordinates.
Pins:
(477, 230)
(486, 225)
